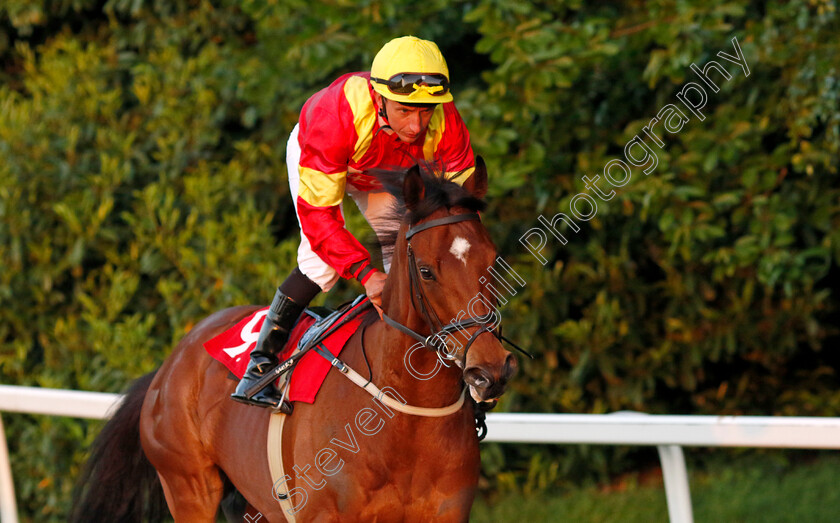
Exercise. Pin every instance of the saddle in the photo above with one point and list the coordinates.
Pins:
(320, 328)
(324, 319)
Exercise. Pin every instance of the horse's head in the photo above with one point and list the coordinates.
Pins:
(441, 256)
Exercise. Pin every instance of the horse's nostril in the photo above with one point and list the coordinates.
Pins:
(478, 378)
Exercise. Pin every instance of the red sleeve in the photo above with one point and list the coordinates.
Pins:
(326, 135)
(331, 241)
(327, 138)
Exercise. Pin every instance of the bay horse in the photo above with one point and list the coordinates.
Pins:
(181, 421)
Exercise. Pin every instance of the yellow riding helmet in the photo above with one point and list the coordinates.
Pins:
(408, 69)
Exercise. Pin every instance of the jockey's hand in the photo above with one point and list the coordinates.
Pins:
(373, 289)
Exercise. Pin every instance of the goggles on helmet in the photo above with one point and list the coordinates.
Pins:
(408, 83)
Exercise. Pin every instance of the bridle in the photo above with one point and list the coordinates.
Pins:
(436, 341)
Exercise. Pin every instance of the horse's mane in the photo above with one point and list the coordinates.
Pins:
(440, 192)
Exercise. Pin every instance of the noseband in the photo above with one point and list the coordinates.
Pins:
(436, 341)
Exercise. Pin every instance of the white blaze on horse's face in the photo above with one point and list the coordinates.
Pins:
(460, 248)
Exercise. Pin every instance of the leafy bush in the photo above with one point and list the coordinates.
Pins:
(142, 186)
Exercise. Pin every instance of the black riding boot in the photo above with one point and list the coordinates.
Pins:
(275, 331)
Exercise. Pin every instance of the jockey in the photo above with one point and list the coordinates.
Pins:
(399, 114)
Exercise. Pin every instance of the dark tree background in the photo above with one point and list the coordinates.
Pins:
(143, 185)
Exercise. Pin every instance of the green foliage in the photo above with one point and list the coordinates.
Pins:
(142, 186)
(747, 489)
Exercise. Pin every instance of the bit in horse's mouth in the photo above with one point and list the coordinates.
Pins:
(485, 403)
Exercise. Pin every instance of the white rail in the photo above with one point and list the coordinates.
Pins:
(57, 402)
(657, 429)
(668, 433)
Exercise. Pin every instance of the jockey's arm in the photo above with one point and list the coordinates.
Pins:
(324, 227)
(327, 144)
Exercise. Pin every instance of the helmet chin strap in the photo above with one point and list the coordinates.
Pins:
(383, 114)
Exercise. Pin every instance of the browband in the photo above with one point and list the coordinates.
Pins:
(446, 220)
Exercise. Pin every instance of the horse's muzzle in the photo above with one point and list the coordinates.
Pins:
(487, 383)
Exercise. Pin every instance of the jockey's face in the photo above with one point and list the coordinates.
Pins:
(406, 121)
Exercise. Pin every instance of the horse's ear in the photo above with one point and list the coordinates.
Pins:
(477, 183)
(413, 188)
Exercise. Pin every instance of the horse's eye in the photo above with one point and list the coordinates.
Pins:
(426, 273)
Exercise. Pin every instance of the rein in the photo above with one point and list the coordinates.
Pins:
(374, 391)
(434, 341)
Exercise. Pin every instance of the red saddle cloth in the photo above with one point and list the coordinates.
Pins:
(233, 348)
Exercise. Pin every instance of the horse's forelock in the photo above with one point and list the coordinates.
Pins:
(440, 192)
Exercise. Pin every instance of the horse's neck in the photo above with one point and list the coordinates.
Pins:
(391, 368)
